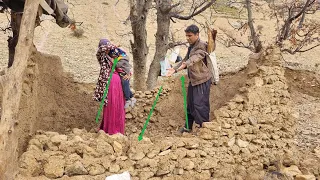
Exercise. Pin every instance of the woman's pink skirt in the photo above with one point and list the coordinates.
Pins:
(113, 120)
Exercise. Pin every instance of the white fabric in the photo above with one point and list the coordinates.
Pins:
(123, 176)
(172, 54)
(164, 66)
(214, 68)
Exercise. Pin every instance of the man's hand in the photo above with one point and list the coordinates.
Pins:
(183, 65)
(170, 72)
(127, 77)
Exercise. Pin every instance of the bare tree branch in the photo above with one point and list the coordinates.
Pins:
(174, 6)
(174, 44)
(295, 51)
(195, 12)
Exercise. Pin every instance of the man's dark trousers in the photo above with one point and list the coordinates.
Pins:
(198, 103)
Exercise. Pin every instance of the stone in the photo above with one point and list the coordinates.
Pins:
(232, 105)
(72, 158)
(117, 147)
(235, 150)
(57, 139)
(121, 158)
(275, 137)
(89, 151)
(221, 113)
(162, 172)
(36, 142)
(241, 143)
(206, 134)
(238, 99)
(191, 144)
(51, 134)
(186, 164)
(305, 177)
(96, 169)
(317, 151)
(226, 126)
(231, 142)
(77, 131)
(209, 163)
(212, 126)
(136, 156)
(29, 165)
(165, 152)
(146, 162)
(55, 167)
(178, 171)
(129, 116)
(191, 154)
(145, 175)
(238, 122)
(114, 168)
(204, 175)
(202, 153)
(291, 171)
(103, 148)
(153, 153)
(253, 121)
(166, 144)
(258, 81)
(76, 169)
(181, 153)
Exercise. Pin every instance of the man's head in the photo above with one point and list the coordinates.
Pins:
(192, 33)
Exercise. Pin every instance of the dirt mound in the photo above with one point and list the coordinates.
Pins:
(306, 82)
(169, 114)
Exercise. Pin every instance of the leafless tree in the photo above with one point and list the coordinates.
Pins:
(138, 16)
(230, 39)
(297, 32)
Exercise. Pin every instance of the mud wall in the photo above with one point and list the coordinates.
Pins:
(50, 101)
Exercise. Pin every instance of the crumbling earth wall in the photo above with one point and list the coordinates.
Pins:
(50, 101)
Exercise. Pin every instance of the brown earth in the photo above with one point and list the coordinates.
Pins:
(170, 115)
(51, 100)
(306, 82)
(240, 147)
(62, 104)
(57, 103)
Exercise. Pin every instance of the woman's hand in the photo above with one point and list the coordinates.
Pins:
(109, 58)
(127, 77)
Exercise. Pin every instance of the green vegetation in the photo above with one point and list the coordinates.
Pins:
(222, 6)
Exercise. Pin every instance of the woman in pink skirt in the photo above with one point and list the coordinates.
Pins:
(113, 120)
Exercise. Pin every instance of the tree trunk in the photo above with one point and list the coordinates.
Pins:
(12, 41)
(138, 17)
(12, 90)
(162, 40)
(256, 42)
